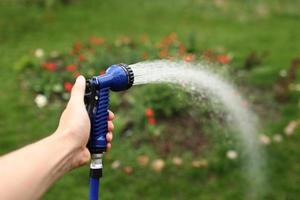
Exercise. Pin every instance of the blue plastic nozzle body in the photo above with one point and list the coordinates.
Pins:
(118, 77)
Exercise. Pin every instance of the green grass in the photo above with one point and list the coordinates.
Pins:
(237, 28)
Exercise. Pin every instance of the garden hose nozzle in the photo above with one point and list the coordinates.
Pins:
(118, 77)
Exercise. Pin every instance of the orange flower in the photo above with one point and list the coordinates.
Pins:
(96, 40)
(81, 57)
(77, 47)
(71, 68)
(128, 170)
(209, 55)
(102, 72)
(182, 49)
(168, 40)
(144, 38)
(68, 86)
(163, 53)
(123, 40)
(149, 112)
(223, 59)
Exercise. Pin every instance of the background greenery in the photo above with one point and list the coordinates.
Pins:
(269, 28)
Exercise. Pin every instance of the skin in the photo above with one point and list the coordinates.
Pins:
(28, 172)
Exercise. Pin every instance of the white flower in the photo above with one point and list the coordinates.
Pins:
(158, 165)
(41, 100)
(143, 160)
(294, 87)
(297, 87)
(264, 139)
(54, 54)
(177, 161)
(277, 138)
(116, 164)
(57, 88)
(290, 128)
(39, 53)
(232, 154)
(200, 163)
(283, 73)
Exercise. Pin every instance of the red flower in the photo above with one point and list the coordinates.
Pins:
(71, 68)
(49, 66)
(223, 59)
(68, 86)
(149, 112)
(152, 121)
(81, 57)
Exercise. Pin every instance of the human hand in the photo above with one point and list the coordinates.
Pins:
(75, 124)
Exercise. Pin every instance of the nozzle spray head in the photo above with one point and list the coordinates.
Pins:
(118, 77)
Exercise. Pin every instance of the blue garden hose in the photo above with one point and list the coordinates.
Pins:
(94, 188)
(118, 77)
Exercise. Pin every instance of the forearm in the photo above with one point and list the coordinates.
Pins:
(28, 172)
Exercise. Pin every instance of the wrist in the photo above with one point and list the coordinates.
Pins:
(66, 139)
(66, 150)
(77, 154)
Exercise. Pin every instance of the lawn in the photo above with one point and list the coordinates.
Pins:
(270, 27)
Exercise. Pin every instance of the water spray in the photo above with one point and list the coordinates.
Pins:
(193, 78)
(118, 77)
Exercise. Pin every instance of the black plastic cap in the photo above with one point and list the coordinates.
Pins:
(129, 73)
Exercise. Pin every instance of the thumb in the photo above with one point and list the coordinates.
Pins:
(78, 90)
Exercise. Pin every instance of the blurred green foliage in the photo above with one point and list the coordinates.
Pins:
(47, 4)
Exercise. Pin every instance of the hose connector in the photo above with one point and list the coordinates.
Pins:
(96, 165)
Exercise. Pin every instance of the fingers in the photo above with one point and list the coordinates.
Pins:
(109, 136)
(78, 90)
(108, 146)
(111, 115)
(110, 126)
